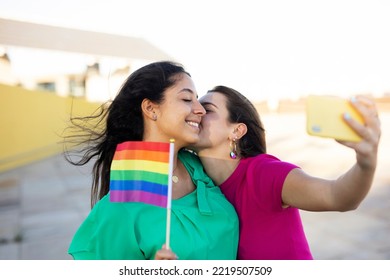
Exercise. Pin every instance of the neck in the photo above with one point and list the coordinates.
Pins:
(219, 169)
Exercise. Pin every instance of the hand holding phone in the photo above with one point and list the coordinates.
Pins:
(324, 117)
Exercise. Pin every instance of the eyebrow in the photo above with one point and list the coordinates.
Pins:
(208, 103)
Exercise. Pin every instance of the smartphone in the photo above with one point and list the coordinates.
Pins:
(324, 117)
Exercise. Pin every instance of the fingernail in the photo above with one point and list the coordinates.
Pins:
(347, 116)
(353, 99)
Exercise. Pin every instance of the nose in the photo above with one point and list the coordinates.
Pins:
(199, 109)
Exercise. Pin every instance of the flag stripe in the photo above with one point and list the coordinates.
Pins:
(138, 185)
(142, 155)
(138, 196)
(139, 175)
(140, 145)
(143, 165)
(141, 172)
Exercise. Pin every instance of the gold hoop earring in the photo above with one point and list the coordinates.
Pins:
(233, 149)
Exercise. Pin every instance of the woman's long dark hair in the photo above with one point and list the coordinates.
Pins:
(121, 120)
(241, 110)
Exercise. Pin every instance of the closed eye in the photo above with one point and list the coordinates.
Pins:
(208, 110)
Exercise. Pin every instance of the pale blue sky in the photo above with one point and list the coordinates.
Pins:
(262, 48)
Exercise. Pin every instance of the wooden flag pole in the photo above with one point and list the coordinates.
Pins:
(169, 197)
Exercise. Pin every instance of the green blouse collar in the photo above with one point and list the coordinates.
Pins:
(200, 179)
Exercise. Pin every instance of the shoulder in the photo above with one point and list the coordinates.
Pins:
(190, 160)
(265, 159)
(269, 164)
(262, 159)
(189, 157)
(114, 210)
(195, 168)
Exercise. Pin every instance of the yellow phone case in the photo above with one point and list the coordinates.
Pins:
(324, 117)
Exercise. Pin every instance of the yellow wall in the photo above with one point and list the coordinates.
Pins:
(31, 123)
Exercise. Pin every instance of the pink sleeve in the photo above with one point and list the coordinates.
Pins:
(267, 178)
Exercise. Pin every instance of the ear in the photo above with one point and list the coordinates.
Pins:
(149, 109)
(240, 129)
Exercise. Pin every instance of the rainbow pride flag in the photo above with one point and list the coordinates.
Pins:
(140, 172)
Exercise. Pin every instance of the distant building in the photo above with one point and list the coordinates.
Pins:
(6, 74)
(94, 80)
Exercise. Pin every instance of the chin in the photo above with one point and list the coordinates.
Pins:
(192, 140)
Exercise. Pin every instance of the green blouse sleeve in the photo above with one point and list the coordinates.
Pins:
(108, 233)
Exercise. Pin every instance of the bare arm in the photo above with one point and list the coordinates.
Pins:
(345, 193)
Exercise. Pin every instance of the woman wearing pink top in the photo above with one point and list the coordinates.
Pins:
(268, 192)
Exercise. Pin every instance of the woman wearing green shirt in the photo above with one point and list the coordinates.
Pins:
(156, 103)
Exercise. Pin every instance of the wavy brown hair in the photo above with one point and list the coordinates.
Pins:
(241, 110)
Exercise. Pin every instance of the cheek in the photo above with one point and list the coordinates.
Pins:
(213, 129)
(213, 123)
(208, 120)
(206, 127)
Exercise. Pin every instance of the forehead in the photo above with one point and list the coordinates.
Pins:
(215, 98)
(184, 82)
